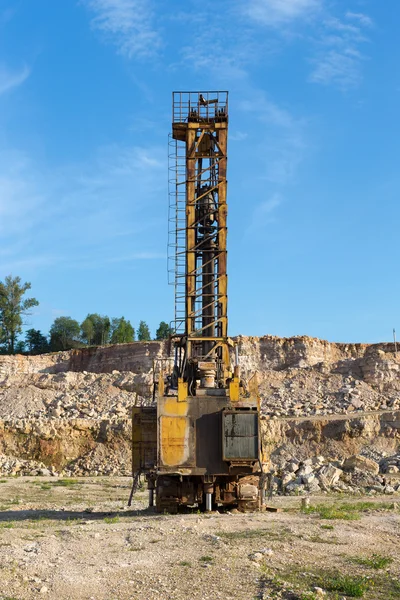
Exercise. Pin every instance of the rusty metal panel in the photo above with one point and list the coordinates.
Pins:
(174, 440)
(240, 436)
(189, 434)
(144, 438)
(176, 435)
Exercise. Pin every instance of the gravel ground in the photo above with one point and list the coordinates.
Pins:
(76, 539)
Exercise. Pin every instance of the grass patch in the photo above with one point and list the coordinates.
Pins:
(7, 525)
(332, 512)
(376, 561)
(64, 482)
(243, 534)
(74, 521)
(13, 501)
(185, 563)
(317, 539)
(296, 583)
(111, 520)
(206, 559)
(250, 534)
(329, 527)
(354, 587)
(348, 511)
(3, 480)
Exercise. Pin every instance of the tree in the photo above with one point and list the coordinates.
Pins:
(64, 334)
(143, 332)
(122, 331)
(36, 342)
(95, 329)
(164, 331)
(87, 330)
(12, 310)
(20, 347)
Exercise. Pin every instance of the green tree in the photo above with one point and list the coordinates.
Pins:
(122, 331)
(143, 332)
(12, 310)
(87, 330)
(64, 334)
(20, 347)
(164, 331)
(95, 329)
(36, 342)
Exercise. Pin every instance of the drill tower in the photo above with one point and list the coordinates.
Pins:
(200, 444)
(198, 187)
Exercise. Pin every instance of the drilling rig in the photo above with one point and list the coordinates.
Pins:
(200, 445)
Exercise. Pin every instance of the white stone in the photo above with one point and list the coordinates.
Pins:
(307, 479)
(329, 474)
(305, 470)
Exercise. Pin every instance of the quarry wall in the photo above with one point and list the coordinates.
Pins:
(71, 410)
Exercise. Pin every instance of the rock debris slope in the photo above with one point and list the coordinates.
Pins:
(69, 412)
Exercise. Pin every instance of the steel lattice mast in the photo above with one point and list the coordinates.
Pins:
(199, 130)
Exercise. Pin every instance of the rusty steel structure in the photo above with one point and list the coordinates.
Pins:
(199, 134)
(201, 443)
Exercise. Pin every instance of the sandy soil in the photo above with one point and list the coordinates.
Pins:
(76, 539)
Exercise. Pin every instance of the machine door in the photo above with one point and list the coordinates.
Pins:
(144, 438)
(240, 436)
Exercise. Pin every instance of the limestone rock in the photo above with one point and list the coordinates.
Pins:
(362, 463)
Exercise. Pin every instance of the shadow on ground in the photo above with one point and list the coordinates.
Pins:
(69, 515)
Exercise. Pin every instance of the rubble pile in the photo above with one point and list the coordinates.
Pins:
(10, 465)
(100, 462)
(70, 395)
(361, 385)
(306, 393)
(355, 474)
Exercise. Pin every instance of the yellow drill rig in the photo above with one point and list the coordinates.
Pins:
(201, 444)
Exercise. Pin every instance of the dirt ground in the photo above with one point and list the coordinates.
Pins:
(76, 539)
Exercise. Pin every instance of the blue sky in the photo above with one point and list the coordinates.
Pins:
(85, 111)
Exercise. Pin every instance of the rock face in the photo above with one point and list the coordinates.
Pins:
(136, 358)
(70, 410)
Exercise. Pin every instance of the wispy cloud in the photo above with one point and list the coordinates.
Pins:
(12, 79)
(268, 206)
(284, 142)
(278, 12)
(232, 58)
(339, 55)
(263, 213)
(138, 256)
(204, 36)
(128, 24)
(103, 212)
(337, 43)
(363, 19)
(238, 136)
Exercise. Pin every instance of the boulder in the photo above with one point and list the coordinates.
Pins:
(305, 470)
(287, 478)
(329, 475)
(295, 487)
(307, 479)
(360, 462)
